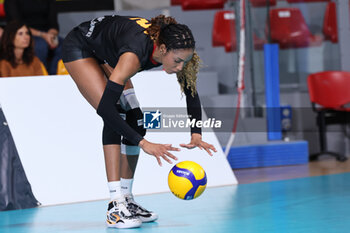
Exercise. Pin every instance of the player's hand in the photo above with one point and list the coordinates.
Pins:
(196, 141)
(53, 31)
(159, 151)
(49, 38)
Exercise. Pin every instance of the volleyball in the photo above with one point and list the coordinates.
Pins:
(187, 180)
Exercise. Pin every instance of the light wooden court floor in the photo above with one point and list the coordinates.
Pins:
(324, 166)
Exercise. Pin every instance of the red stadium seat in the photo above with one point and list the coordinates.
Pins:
(224, 30)
(202, 4)
(175, 2)
(330, 29)
(2, 11)
(262, 3)
(288, 28)
(296, 1)
(329, 96)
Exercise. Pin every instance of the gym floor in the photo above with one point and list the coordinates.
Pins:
(324, 166)
(315, 203)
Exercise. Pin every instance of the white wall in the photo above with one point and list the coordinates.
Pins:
(58, 137)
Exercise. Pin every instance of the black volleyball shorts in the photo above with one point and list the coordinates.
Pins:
(75, 47)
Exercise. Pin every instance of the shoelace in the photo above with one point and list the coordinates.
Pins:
(123, 210)
(135, 206)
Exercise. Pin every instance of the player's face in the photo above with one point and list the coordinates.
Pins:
(175, 60)
(22, 38)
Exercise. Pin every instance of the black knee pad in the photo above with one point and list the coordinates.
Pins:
(109, 136)
(134, 118)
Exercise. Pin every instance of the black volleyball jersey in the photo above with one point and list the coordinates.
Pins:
(109, 37)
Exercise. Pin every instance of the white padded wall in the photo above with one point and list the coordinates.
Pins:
(58, 137)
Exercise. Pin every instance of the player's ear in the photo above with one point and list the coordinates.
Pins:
(162, 49)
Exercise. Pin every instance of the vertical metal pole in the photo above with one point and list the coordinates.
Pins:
(268, 21)
(343, 33)
(250, 50)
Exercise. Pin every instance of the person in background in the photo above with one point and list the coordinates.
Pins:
(2, 17)
(17, 54)
(41, 17)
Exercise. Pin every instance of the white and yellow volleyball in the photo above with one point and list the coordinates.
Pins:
(187, 180)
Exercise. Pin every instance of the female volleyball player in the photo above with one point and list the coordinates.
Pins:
(118, 47)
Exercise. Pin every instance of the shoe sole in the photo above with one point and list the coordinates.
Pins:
(147, 219)
(122, 225)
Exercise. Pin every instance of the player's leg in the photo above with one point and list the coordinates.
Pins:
(118, 214)
(130, 155)
(129, 162)
(128, 101)
(130, 152)
(91, 82)
(126, 171)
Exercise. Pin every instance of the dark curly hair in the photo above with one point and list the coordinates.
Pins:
(165, 30)
(7, 44)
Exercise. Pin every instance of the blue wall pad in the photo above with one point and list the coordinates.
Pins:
(272, 92)
(267, 155)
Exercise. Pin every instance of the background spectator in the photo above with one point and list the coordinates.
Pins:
(17, 54)
(41, 17)
(2, 17)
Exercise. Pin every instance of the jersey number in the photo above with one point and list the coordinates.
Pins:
(142, 22)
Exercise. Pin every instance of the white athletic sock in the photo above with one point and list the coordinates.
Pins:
(126, 186)
(115, 191)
